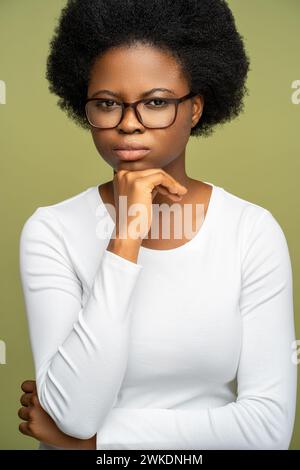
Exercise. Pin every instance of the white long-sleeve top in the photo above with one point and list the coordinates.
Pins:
(189, 348)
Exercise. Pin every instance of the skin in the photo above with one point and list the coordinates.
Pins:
(117, 71)
(39, 425)
(130, 72)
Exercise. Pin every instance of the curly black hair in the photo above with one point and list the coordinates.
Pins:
(200, 34)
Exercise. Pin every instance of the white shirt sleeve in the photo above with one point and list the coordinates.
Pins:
(80, 352)
(262, 417)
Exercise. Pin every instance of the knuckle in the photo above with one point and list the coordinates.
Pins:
(26, 400)
(119, 175)
(34, 400)
(22, 428)
(24, 384)
(127, 176)
(30, 426)
(162, 172)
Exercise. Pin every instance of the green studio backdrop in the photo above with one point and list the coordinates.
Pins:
(46, 158)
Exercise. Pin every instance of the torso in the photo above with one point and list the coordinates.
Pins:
(199, 193)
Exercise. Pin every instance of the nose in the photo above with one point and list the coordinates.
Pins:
(130, 120)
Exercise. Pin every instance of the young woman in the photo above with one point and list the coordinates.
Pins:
(142, 340)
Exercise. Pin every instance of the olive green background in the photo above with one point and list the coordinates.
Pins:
(46, 158)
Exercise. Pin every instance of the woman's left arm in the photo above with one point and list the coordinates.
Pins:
(262, 417)
(38, 424)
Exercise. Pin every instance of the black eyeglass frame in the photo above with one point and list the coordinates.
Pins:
(134, 105)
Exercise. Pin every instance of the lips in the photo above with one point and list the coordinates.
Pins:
(131, 154)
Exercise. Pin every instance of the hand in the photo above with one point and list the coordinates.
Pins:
(40, 425)
(140, 187)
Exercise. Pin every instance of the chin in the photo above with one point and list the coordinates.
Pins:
(134, 164)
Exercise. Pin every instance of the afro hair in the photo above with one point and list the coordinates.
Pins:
(200, 34)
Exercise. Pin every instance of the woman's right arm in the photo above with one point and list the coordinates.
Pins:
(80, 351)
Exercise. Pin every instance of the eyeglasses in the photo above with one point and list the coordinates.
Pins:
(152, 116)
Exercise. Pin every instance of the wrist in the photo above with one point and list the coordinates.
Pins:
(126, 248)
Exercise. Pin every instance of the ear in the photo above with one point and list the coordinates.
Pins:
(198, 105)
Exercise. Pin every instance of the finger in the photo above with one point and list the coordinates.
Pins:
(165, 192)
(170, 185)
(34, 400)
(162, 190)
(28, 386)
(161, 179)
(23, 413)
(25, 399)
(151, 171)
(174, 197)
(23, 428)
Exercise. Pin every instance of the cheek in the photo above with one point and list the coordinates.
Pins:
(179, 133)
(99, 142)
(96, 139)
(185, 120)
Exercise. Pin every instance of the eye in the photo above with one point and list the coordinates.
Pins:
(160, 100)
(99, 103)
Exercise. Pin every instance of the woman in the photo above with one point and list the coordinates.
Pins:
(150, 341)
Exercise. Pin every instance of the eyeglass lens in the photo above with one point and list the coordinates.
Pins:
(157, 112)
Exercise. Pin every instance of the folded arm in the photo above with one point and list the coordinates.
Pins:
(80, 352)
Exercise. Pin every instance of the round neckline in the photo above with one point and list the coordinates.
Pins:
(200, 233)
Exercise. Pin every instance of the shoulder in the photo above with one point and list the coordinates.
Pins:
(60, 217)
(249, 215)
(237, 207)
(259, 233)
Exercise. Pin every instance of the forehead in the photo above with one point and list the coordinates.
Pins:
(136, 69)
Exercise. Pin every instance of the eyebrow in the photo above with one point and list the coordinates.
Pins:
(146, 93)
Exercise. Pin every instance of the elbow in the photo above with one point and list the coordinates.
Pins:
(270, 424)
(280, 439)
(72, 424)
(70, 420)
(284, 427)
(276, 432)
(76, 429)
(280, 442)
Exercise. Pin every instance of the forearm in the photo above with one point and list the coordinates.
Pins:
(99, 339)
(126, 248)
(82, 335)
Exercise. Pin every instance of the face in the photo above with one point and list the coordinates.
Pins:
(130, 72)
